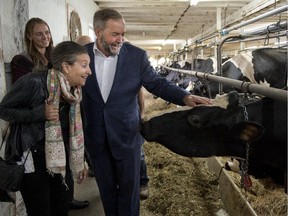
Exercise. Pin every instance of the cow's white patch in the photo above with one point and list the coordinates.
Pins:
(181, 63)
(214, 65)
(190, 86)
(234, 165)
(221, 101)
(265, 83)
(243, 61)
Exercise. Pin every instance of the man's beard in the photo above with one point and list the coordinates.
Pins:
(109, 48)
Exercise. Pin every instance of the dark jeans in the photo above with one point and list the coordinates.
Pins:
(44, 194)
(143, 169)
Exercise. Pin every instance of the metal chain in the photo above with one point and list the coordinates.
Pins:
(245, 162)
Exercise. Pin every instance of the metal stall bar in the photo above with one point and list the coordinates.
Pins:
(270, 92)
(270, 13)
(219, 59)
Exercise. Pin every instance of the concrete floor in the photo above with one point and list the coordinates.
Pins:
(88, 190)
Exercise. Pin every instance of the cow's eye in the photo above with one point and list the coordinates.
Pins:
(194, 120)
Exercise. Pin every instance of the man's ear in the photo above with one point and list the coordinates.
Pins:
(97, 31)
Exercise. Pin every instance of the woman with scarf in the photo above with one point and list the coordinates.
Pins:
(37, 55)
(45, 106)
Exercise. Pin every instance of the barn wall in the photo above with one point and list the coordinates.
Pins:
(86, 11)
(13, 16)
(57, 15)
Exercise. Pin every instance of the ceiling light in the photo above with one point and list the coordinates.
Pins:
(280, 42)
(193, 2)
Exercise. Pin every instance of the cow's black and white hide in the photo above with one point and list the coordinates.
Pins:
(265, 66)
(184, 80)
(164, 71)
(193, 83)
(221, 130)
(176, 77)
(201, 65)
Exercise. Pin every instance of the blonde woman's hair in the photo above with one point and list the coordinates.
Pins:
(37, 58)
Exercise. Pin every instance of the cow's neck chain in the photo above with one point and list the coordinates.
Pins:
(245, 162)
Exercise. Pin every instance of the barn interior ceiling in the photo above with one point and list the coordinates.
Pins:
(163, 26)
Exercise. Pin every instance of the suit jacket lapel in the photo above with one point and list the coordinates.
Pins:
(91, 82)
(119, 69)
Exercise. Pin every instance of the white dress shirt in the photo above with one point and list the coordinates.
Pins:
(105, 68)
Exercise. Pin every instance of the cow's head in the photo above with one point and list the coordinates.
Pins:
(225, 111)
(203, 128)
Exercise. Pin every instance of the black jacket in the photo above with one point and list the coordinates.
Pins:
(24, 107)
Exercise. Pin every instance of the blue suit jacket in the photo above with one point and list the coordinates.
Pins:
(118, 118)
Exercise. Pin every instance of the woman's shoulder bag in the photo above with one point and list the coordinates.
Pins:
(11, 173)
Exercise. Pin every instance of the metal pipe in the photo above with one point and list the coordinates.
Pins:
(281, 25)
(219, 58)
(219, 54)
(207, 37)
(265, 15)
(254, 38)
(270, 92)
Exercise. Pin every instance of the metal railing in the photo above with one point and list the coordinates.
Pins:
(270, 92)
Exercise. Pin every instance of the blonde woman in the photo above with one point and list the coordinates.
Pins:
(39, 45)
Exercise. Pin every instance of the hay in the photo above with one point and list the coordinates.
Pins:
(266, 197)
(181, 186)
(178, 185)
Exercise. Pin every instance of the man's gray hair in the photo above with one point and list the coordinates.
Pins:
(102, 16)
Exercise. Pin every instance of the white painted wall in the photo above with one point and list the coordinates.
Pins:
(14, 15)
(57, 15)
(86, 10)
(54, 13)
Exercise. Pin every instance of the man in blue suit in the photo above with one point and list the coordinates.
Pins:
(111, 114)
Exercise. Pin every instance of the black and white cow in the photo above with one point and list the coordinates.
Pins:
(202, 65)
(183, 80)
(265, 66)
(189, 82)
(221, 130)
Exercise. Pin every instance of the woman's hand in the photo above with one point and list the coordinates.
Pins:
(51, 113)
(82, 175)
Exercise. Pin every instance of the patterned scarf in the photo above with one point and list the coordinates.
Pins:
(54, 146)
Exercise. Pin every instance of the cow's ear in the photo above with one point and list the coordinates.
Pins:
(248, 131)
